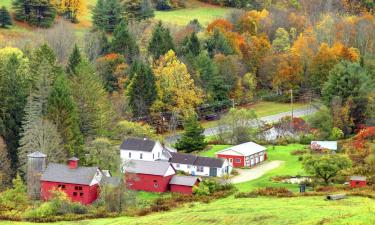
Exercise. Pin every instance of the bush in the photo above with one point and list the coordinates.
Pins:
(306, 139)
(268, 191)
(299, 152)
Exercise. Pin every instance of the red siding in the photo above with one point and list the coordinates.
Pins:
(146, 182)
(234, 158)
(86, 196)
(355, 183)
(183, 189)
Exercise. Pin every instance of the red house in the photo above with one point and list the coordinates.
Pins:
(152, 176)
(358, 181)
(81, 184)
(247, 154)
(184, 184)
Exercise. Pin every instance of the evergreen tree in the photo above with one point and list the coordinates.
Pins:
(138, 9)
(98, 15)
(106, 15)
(35, 12)
(124, 43)
(62, 111)
(5, 18)
(19, 8)
(193, 137)
(142, 89)
(191, 46)
(74, 60)
(5, 169)
(43, 54)
(161, 41)
(218, 43)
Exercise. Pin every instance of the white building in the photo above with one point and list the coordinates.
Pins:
(141, 149)
(199, 165)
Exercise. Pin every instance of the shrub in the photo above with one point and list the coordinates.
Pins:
(268, 191)
(14, 199)
(299, 152)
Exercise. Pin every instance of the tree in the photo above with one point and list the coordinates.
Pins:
(106, 15)
(15, 199)
(102, 153)
(5, 169)
(161, 41)
(323, 122)
(142, 89)
(238, 126)
(191, 46)
(349, 80)
(74, 60)
(138, 9)
(125, 129)
(218, 44)
(96, 44)
(281, 43)
(176, 90)
(35, 12)
(326, 166)
(112, 68)
(71, 9)
(193, 137)
(124, 43)
(14, 83)
(98, 15)
(5, 18)
(62, 111)
(94, 111)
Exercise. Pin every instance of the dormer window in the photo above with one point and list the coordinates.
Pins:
(141, 156)
(130, 155)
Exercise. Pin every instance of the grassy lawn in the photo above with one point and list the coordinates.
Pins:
(213, 149)
(301, 210)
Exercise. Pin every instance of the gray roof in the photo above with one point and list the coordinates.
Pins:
(73, 159)
(37, 154)
(113, 181)
(359, 178)
(62, 173)
(195, 160)
(138, 144)
(148, 167)
(184, 180)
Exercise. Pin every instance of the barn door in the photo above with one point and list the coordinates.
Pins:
(213, 172)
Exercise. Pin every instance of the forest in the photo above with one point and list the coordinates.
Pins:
(68, 91)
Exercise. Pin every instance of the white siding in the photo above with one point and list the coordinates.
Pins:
(193, 170)
(154, 155)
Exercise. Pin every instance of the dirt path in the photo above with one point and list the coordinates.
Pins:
(256, 172)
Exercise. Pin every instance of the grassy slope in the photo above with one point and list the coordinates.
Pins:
(302, 210)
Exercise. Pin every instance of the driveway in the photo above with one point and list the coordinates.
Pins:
(256, 172)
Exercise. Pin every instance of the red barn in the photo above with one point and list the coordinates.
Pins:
(358, 181)
(184, 184)
(81, 184)
(152, 176)
(244, 155)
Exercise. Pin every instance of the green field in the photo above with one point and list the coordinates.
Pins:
(301, 210)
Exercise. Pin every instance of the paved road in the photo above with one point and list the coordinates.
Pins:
(256, 172)
(268, 119)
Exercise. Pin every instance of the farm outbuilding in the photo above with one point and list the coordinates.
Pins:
(358, 181)
(247, 154)
(184, 184)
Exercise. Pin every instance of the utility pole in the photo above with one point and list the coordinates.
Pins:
(291, 101)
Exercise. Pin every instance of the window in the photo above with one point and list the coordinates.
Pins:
(78, 188)
(74, 193)
(130, 155)
(200, 168)
(153, 156)
(61, 186)
(140, 156)
(158, 154)
(238, 160)
(357, 183)
(188, 166)
(155, 184)
(81, 194)
(177, 165)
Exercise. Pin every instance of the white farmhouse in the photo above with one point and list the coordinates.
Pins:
(141, 149)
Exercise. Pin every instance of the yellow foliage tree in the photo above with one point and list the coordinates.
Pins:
(177, 92)
(71, 9)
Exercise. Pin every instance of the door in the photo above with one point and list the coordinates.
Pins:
(231, 161)
(262, 158)
(252, 162)
(213, 172)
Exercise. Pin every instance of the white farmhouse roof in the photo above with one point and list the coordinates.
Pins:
(245, 149)
(331, 145)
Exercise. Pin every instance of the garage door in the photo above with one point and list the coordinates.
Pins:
(262, 158)
(252, 162)
(256, 160)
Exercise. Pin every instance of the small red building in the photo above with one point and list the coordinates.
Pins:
(358, 181)
(184, 184)
(152, 176)
(247, 154)
(81, 184)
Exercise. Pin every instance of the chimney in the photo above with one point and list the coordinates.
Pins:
(36, 166)
(73, 163)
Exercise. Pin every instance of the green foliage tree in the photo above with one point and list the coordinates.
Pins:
(5, 19)
(349, 81)
(281, 43)
(124, 43)
(106, 15)
(191, 46)
(95, 111)
(193, 137)
(102, 152)
(74, 59)
(125, 129)
(39, 13)
(15, 199)
(326, 166)
(14, 77)
(323, 122)
(116, 198)
(5, 169)
(161, 41)
(218, 44)
(138, 9)
(142, 89)
(62, 111)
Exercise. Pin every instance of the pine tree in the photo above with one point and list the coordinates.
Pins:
(43, 54)
(142, 89)
(5, 169)
(74, 60)
(18, 7)
(191, 46)
(35, 12)
(124, 43)
(161, 41)
(193, 138)
(218, 43)
(5, 18)
(98, 15)
(112, 15)
(62, 111)
(138, 9)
